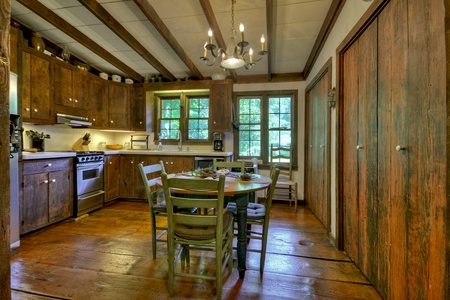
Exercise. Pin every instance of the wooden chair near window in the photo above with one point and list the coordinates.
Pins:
(286, 188)
(211, 232)
(259, 215)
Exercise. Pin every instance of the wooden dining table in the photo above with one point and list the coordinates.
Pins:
(241, 192)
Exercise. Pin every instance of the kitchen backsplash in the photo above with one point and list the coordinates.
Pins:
(62, 138)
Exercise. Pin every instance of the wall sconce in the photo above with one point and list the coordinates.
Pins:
(332, 96)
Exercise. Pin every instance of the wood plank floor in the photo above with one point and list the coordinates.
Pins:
(107, 255)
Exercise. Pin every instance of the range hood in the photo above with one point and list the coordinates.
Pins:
(74, 121)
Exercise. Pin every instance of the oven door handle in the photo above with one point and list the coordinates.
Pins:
(89, 166)
(87, 196)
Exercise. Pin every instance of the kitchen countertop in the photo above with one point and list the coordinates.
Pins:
(62, 154)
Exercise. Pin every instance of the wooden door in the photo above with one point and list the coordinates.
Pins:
(97, 104)
(36, 102)
(138, 108)
(317, 150)
(127, 176)
(112, 177)
(220, 106)
(118, 106)
(60, 195)
(34, 205)
(62, 84)
(80, 89)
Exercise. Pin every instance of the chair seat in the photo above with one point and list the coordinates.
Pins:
(254, 210)
(202, 232)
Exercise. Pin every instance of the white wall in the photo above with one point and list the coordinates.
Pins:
(300, 86)
(350, 14)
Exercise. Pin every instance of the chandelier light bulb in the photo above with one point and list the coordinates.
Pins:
(210, 35)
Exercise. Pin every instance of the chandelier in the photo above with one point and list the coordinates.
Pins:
(235, 56)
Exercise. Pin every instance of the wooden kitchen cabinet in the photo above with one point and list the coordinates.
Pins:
(138, 108)
(177, 164)
(36, 87)
(220, 106)
(112, 178)
(47, 195)
(97, 101)
(118, 105)
(71, 89)
(131, 185)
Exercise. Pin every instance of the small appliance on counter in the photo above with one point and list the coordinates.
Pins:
(218, 141)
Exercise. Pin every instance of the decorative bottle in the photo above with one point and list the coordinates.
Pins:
(37, 42)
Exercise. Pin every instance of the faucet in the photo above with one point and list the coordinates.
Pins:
(180, 143)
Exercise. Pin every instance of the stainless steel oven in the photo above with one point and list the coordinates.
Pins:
(89, 182)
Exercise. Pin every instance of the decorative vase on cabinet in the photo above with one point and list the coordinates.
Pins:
(37, 42)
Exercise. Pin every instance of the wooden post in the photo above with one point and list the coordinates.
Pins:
(5, 269)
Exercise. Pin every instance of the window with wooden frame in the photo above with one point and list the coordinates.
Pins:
(263, 119)
(185, 113)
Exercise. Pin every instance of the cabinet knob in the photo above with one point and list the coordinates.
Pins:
(70, 99)
(321, 146)
(49, 165)
(93, 119)
(110, 162)
(400, 148)
(27, 109)
(214, 123)
(53, 180)
(76, 101)
(140, 122)
(131, 162)
(359, 147)
(45, 181)
(112, 121)
(35, 110)
(310, 146)
(171, 162)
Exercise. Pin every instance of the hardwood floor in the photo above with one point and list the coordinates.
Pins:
(107, 255)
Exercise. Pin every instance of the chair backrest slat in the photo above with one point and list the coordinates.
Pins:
(282, 157)
(194, 193)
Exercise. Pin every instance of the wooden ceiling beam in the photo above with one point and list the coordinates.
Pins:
(46, 14)
(327, 25)
(270, 21)
(148, 10)
(103, 15)
(209, 14)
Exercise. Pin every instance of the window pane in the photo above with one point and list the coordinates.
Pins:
(250, 127)
(198, 118)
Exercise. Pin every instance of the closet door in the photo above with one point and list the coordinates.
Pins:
(317, 150)
(360, 152)
(392, 164)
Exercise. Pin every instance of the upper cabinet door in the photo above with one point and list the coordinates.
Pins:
(118, 105)
(71, 87)
(220, 106)
(35, 79)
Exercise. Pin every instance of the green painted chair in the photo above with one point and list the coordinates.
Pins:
(259, 215)
(210, 232)
(156, 202)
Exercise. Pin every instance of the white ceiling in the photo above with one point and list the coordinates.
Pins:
(297, 25)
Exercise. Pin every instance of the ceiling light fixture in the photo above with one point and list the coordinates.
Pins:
(234, 56)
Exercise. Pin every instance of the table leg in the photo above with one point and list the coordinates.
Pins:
(241, 203)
